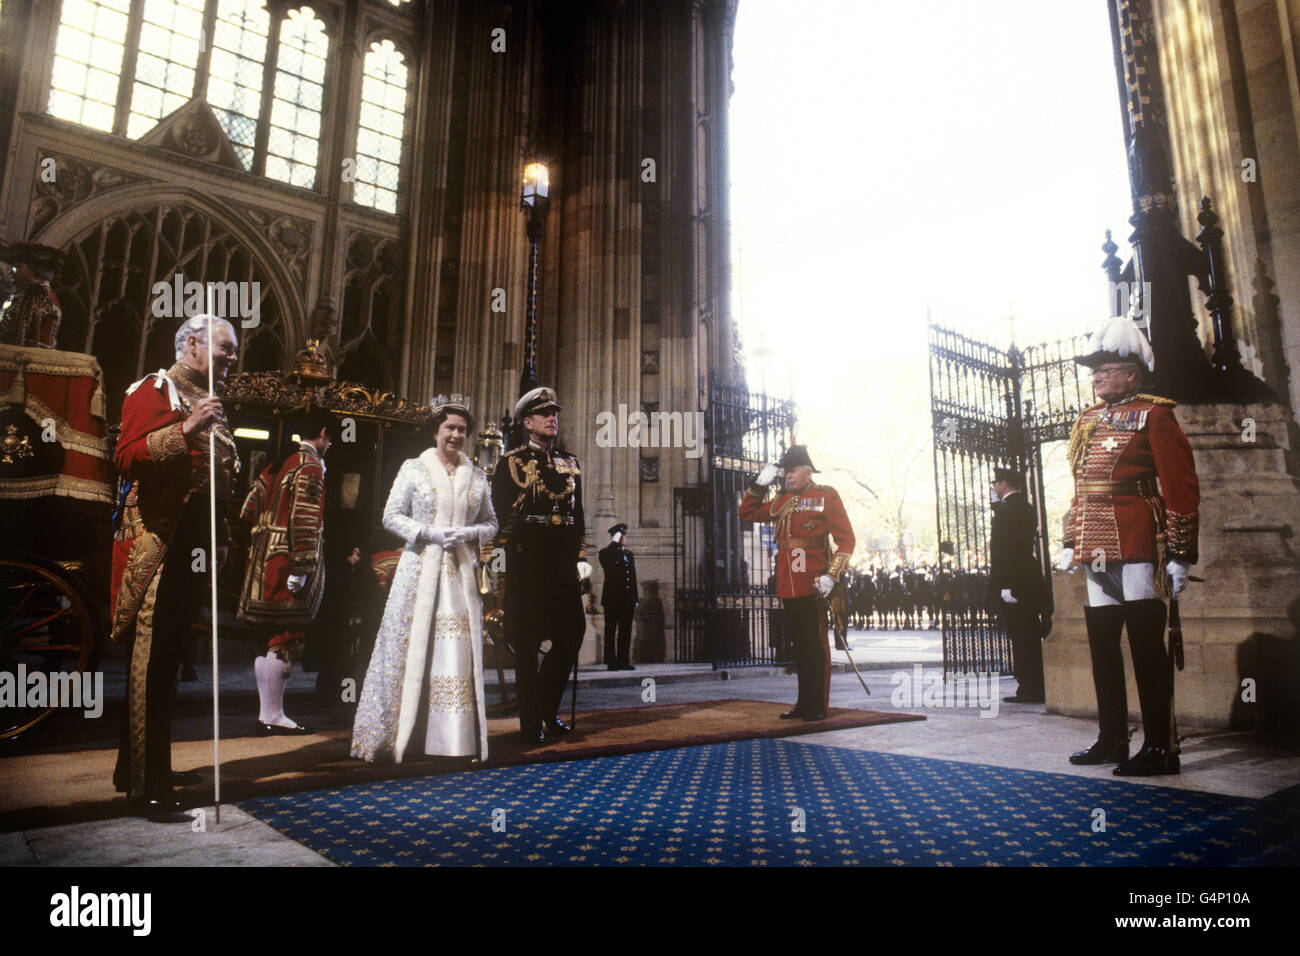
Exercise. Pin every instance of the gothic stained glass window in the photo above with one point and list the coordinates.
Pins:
(239, 42)
(87, 60)
(171, 32)
(381, 122)
(293, 144)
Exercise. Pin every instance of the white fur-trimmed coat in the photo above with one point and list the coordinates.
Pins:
(424, 495)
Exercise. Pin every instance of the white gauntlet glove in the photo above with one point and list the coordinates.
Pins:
(433, 535)
(766, 476)
(295, 582)
(1177, 575)
(825, 585)
(455, 537)
(1007, 598)
(1066, 562)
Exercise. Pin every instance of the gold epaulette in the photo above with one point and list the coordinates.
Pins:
(1157, 400)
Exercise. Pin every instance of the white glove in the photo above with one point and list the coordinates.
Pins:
(1007, 598)
(766, 476)
(433, 535)
(1066, 562)
(584, 570)
(825, 585)
(455, 537)
(296, 581)
(1177, 575)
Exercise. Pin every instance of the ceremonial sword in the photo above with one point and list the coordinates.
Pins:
(837, 608)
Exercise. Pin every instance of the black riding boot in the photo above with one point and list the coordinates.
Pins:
(1105, 625)
(1146, 639)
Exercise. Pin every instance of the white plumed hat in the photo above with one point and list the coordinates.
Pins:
(1119, 340)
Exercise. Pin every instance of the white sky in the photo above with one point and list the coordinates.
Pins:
(886, 157)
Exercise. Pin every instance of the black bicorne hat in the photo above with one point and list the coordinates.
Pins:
(42, 258)
(619, 528)
(795, 456)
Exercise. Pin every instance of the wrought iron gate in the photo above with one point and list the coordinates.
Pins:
(990, 408)
(726, 609)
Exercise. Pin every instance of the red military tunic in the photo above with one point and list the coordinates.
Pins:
(287, 511)
(165, 470)
(803, 521)
(1135, 480)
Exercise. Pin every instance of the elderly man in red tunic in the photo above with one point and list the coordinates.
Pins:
(807, 569)
(1132, 524)
(160, 548)
(285, 576)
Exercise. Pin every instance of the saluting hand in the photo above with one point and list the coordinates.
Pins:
(766, 476)
(206, 411)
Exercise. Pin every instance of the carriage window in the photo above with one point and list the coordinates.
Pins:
(167, 58)
(296, 110)
(379, 136)
(87, 60)
(235, 81)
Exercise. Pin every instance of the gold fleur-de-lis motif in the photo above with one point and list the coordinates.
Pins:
(12, 448)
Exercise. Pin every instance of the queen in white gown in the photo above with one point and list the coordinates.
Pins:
(427, 666)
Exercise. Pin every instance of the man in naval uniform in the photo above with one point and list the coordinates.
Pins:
(1016, 583)
(159, 581)
(1133, 526)
(284, 580)
(537, 495)
(807, 569)
(619, 598)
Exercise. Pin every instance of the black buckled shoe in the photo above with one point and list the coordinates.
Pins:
(534, 737)
(1103, 751)
(556, 726)
(161, 807)
(793, 714)
(1150, 761)
(275, 730)
(820, 716)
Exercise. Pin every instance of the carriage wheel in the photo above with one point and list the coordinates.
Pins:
(46, 627)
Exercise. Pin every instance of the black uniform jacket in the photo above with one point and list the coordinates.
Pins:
(619, 593)
(1011, 550)
(537, 496)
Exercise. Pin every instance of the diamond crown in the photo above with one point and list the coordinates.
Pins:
(455, 398)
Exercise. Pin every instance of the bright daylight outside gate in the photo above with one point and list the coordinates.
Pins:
(991, 408)
(727, 611)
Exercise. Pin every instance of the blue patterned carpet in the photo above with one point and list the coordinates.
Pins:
(736, 804)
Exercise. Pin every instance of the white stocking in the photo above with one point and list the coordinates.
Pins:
(277, 676)
(259, 671)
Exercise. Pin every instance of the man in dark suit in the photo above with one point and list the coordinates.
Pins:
(619, 598)
(1016, 583)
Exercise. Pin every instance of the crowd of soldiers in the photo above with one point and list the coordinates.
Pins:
(909, 595)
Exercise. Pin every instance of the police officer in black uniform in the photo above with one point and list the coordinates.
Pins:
(619, 598)
(537, 494)
(1016, 582)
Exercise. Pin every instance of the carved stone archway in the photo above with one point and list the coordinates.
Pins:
(119, 247)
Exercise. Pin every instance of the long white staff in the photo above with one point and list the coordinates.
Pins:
(212, 567)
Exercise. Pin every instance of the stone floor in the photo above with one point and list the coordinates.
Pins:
(1018, 736)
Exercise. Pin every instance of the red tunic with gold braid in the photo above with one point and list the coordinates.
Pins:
(803, 520)
(287, 509)
(165, 470)
(1134, 480)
